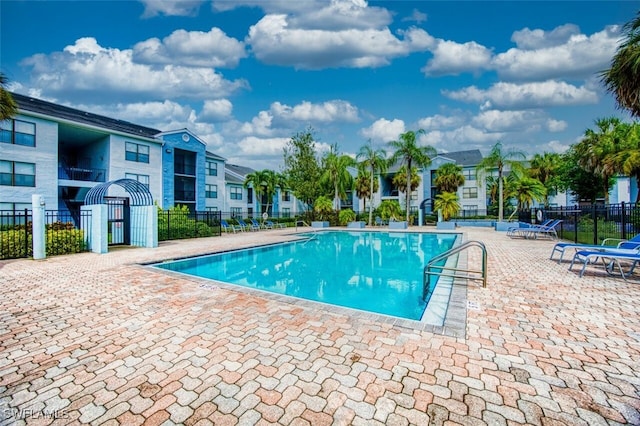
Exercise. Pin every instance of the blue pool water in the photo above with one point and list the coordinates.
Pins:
(372, 271)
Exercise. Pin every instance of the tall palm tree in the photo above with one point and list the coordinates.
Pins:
(497, 160)
(400, 179)
(622, 79)
(546, 168)
(406, 149)
(265, 185)
(363, 185)
(596, 148)
(8, 107)
(374, 160)
(336, 174)
(449, 178)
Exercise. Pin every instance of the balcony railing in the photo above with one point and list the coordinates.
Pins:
(82, 174)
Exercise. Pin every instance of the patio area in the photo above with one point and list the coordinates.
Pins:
(103, 339)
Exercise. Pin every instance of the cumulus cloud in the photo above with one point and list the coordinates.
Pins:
(326, 112)
(191, 48)
(87, 67)
(274, 42)
(451, 58)
(171, 7)
(560, 53)
(462, 138)
(527, 39)
(383, 130)
(440, 122)
(216, 110)
(528, 95)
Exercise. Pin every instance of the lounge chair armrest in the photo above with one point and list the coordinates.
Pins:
(606, 240)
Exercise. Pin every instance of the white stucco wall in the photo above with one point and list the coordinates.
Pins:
(119, 167)
(44, 155)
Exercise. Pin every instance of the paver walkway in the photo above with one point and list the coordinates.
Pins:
(100, 339)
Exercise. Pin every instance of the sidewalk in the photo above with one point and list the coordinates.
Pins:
(102, 339)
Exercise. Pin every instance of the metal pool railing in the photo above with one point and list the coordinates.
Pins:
(444, 271)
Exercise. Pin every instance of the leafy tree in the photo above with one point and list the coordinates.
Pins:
(375, 161)
(598, 146)
(449, 178)
(447, 204)
(545, 168)
(8, 107)
(622, 79)
(407, 151)
(497, 160)
(581, 183)
(265, 185)
(302, 168)
(336, 174)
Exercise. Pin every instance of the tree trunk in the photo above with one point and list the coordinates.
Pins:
(371, 199)
(408, 188)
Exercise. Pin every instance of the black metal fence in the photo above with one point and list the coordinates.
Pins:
(591, 224)
(62, 233)
(174, 225)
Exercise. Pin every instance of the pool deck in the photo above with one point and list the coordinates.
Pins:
(103, 339)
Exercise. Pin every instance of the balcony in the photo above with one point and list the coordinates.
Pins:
(179, 195)
(82, 174)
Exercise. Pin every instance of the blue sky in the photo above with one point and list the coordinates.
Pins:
(246, 75)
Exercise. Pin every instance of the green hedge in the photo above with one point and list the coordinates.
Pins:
(61, 241)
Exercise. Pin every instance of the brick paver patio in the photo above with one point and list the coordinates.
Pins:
(103, 339)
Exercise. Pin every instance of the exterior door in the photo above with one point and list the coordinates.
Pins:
(118, 220)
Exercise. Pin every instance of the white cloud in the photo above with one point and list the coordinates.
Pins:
(461, 138)
(110, 73)
(216, 110)
(451, 58)
(556, 125)
(191, 48)
(326, 112)
(384, 130)
(440, 122)
(502, 121)
(529, 95)
(259, 125)
(416, 16)
(171, 7)
(259, 147)
(543, 58)
(274, 42)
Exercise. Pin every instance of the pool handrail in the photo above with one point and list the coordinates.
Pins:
(427, 272)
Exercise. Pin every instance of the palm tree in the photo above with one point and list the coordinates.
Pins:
(447, 204)
(545, 168)
(622, 79)
(336, 174)
(265, 184)
(449, 178)
(400, 179)
(627, 159)
(498, 160)
(598, 146)
(526, 190)
(375, 161)
(8, 107)
(407, 150)
(363, 186)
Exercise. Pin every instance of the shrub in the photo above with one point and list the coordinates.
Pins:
(346, 216)
(64, 241)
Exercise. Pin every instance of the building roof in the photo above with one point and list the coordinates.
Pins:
(463, 158)
(236, 174)
(26, 103)
(215, 156)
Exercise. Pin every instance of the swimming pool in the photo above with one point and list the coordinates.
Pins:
(379, 272)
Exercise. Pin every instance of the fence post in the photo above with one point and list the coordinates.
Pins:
(623, 220)
(594, 215)
(575, 228)
(37, 207)
(26, 230)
